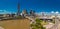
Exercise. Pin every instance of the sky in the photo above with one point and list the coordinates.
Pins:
(10, 6)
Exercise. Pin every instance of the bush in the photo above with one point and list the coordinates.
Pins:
(38, 24)
(19, 17)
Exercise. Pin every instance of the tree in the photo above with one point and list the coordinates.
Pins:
(37, 25)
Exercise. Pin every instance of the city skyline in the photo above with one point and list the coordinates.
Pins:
(35, 5)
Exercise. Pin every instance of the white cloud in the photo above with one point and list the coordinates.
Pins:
(56, 12)
(52, 11)
(5, 10)
(1, 10)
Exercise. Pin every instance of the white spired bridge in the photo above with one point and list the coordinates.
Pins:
(31, 19)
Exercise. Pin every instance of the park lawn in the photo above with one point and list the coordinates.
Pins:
(44, 23)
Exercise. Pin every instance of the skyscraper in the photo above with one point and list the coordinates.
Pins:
(25, 11)
(18, 11)
(32, 12)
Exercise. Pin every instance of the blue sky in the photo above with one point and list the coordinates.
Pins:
(7, 6)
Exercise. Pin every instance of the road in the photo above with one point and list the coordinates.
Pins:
(55, 26)
(57, 22)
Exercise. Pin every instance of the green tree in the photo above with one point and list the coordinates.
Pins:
(37, 25)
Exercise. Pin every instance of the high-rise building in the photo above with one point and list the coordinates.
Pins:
(18, 11)
(24, 12)
(32, 13)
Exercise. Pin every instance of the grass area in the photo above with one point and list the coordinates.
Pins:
(16, 24)
(19, 17)
(44, 23)
(38, 25)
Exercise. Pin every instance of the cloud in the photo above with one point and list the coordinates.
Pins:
(52, 11)
(6, 12)
(56, 12)
(1, 10)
